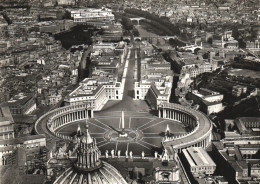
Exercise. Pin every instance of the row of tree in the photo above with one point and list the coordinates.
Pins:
(161, 22)
(176, 42)
(247, 108)
(239, 62)
(127, 23)
(76, 36)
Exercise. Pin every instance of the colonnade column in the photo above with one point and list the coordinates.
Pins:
(84, 161)
(85, 114)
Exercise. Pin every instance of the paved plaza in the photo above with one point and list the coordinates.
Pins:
(145, 132)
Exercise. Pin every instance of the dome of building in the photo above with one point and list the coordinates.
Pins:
(88, 168)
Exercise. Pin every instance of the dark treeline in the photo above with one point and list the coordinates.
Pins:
(80, 34)
(161, 22)
(127, 23)
(238, 37)
(164, 29)
(135, 32)
(176, 42)
(240, 62)
(247, 108)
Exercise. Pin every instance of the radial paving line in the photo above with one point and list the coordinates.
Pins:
(146, 123)
(154, 124)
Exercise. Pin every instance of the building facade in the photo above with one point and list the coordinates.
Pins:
(6, 124)
(199, 161)
(91, 14)
(96, 96)
(209, 101)
(21, 104)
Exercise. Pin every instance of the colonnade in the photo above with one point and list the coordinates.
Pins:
(252, 124)
(4, 160)
(66, 115)
(204, 142)
(59, 120)
(8, 135)
(201, 133)
(178, 115)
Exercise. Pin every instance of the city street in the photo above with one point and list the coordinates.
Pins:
(128, 103)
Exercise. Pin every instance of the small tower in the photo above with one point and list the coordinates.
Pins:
(87, 136)
(88, 153)
(165, 156)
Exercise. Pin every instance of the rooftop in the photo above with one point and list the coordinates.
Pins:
(197, 156)
(19, 99)
(21, 140)
(5, 116)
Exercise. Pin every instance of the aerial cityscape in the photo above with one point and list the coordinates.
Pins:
(130, 92)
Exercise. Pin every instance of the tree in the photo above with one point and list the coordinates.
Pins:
(162, 22)
(66, 15)
(127, 23)
(136, 32)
